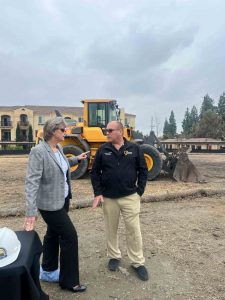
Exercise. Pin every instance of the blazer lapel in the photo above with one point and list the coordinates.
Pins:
(52, 154)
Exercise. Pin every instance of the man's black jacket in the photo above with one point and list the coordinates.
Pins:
(118, 173)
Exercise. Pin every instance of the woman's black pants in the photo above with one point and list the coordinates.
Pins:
(61, 232)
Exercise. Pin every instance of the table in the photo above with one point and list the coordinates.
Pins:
(20, 280)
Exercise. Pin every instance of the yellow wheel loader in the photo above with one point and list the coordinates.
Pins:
(91, 134)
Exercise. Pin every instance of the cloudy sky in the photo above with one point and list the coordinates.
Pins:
(151, 55)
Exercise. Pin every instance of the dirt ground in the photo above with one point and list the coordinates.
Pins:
(184, 242)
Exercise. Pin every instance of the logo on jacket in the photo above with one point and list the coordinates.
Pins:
(108, 153)
(127, 152)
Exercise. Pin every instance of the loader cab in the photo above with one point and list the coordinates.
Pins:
(97, 114)
(101, 113)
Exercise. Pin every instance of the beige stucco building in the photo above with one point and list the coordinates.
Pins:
(35, 116)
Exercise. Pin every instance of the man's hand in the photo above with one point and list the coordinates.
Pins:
(97, 200)
(29, 223)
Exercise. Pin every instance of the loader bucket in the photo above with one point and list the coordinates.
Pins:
(186, 171)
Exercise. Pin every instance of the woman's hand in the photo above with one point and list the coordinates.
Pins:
(29, 223)
(83, 155)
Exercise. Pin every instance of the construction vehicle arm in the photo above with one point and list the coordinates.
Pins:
(157, 141)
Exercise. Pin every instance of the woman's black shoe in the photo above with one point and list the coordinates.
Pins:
(77, 289)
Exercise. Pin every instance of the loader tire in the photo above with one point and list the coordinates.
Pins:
(153, 160)
(79, 170)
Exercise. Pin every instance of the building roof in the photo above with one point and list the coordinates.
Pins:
(63, 109)
(47, 109)
(41, 109)
(8, 108)
(191, 140)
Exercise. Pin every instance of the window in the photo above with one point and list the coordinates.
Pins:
(6, 121)
(97, 115)
(114, 112)
(6, 135)
(23, 118)
(41, 120)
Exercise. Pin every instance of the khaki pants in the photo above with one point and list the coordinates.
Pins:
(129, 207)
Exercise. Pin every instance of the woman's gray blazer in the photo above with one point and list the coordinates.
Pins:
(45, 183)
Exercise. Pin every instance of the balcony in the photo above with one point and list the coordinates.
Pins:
(5, 124)
(23, 123)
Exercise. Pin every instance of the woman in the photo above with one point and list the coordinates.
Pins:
(48, 190)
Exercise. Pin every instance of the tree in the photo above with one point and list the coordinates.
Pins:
(221, 106)
(157, 126)
(207, 104)
(194, 119)
(194, 115)
(166, 130)
(172, 125)
(210, 125)
(186, 123)
(190, 122)
(18, 133)
(30, 134)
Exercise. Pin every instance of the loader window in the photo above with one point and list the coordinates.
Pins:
(97, 115)
(112, 115)
(114, 112)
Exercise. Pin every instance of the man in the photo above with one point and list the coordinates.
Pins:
(119, 176)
